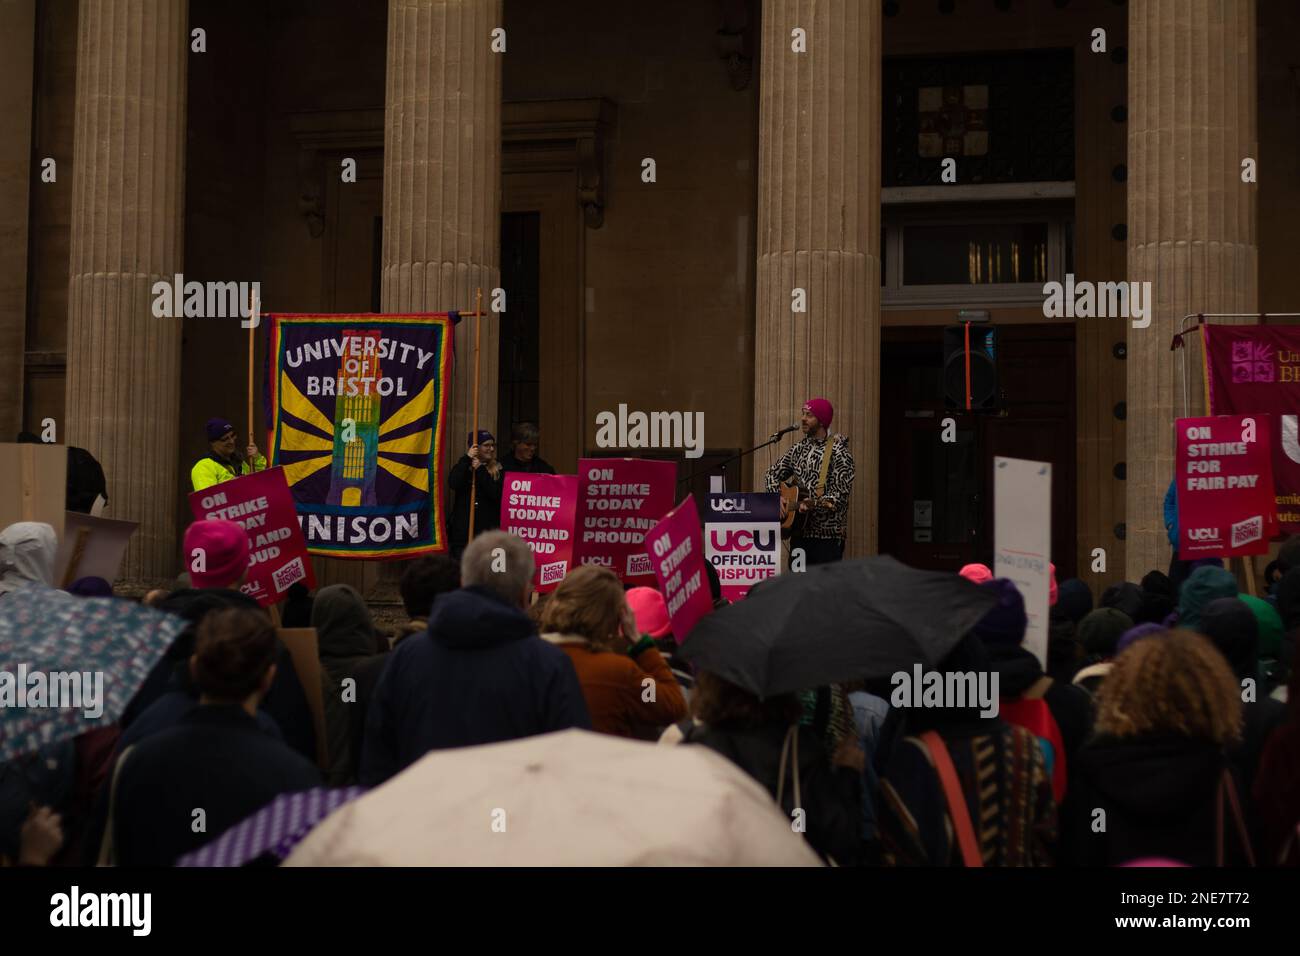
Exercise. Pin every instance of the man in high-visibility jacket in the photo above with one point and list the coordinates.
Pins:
(223, 464)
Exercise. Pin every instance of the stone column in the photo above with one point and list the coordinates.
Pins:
(1192, 222)
(17, 39)
(128, 180)
(819, 230)
(442, 186)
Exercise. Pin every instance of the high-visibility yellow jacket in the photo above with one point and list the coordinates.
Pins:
(208, 471)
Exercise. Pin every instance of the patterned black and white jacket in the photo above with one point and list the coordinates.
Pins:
(803, 460)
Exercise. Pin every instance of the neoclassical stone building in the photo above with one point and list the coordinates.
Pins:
(798, 153)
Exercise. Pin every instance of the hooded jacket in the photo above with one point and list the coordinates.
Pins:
(211, 470)
(535, 465)
(1231, 624)
(487, 500)
(480, 675)
(830, 797)
(216, 758)
(1018, 670)
(1001, 770)
(1159, 795)
(285, 702)
(347, 646)
(27, 550)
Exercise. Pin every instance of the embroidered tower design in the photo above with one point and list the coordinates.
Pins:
(352, 473)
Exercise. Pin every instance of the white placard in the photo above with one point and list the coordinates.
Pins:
(1022, 539)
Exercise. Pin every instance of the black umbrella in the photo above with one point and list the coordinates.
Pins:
(862, 619)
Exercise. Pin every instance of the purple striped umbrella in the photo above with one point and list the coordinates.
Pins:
(277, 828)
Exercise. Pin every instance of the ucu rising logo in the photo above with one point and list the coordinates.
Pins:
(1203, 534)
(743, 540)
(730, 505)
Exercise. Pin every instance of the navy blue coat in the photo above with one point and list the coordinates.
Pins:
(216, 758)
(478, 676)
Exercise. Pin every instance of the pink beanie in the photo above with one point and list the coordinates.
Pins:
(976, 573)
(650, 610)
(822, 409)
(1051, 589)
(224, 547)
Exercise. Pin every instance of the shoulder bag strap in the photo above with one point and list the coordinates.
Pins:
(1038, 689)
(790, 745)
(106, 851)
(1226, 785)
(957, 808)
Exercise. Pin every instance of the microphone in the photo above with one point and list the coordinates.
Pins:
(785, 431)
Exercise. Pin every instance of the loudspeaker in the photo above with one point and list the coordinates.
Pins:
(983, 367)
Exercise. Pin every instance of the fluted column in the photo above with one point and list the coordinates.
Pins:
(17, 43)
(442, 182)
(819, 230)
(1192, 221)
(128, 175)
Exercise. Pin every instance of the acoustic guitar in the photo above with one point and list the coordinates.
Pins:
(792, 493)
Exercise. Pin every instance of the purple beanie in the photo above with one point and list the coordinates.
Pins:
(217, 427)
(90, 587)
(1006, 622)
(1137, 633)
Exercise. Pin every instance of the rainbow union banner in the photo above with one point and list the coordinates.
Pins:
(357, 406)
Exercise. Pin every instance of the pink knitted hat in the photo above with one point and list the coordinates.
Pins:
(650, 610)
(225, 553)
(822, 409)
(976, 573)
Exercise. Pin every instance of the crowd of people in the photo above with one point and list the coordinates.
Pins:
(1164, 724)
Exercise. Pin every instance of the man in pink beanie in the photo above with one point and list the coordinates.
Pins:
(823, 493)
(976, 573)
(216, 554)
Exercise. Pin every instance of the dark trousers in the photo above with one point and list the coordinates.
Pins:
(819, 550)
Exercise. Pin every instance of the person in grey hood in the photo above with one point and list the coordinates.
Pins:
(27, 550)
(349, 650)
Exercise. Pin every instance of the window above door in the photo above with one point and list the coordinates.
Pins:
(996, 253)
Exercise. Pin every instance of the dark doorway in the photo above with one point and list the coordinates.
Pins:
(517, 389)
(936, 498)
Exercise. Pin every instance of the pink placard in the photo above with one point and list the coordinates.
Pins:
(1224, 480)
(676, 549)
(619, 500)
(263, 505)
(540, 509)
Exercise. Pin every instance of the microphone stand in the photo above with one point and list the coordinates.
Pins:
(775, 437)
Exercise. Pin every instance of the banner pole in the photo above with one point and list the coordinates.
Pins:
(1205, 366)
(473, 479)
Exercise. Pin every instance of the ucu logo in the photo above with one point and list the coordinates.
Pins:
(743, 540)
(734, 505)
(1203, 534)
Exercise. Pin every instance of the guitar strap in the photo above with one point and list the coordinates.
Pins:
(826, 466)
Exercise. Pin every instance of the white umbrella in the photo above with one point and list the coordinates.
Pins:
(572, 798)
